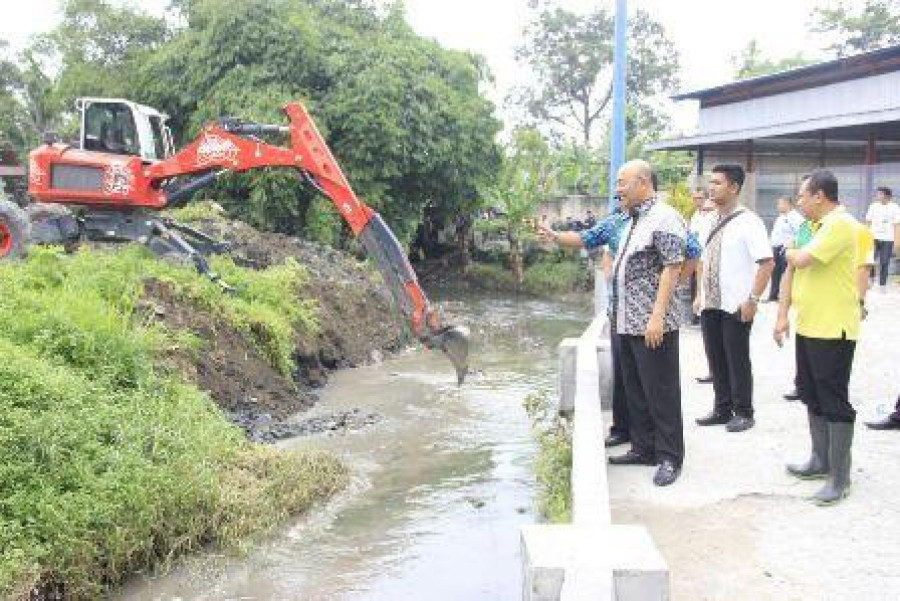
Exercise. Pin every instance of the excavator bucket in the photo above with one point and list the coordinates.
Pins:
(454, 342)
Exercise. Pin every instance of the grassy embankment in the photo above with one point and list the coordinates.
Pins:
(553, 465)
(109, 461)
(547, 278)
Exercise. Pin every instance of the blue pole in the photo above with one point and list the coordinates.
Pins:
(617, 145)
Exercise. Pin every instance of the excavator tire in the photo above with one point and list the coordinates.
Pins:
(14, 231)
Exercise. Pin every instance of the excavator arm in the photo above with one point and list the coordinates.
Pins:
(109, 184)
(230, 145)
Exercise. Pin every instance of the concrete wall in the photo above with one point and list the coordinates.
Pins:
(590, 558)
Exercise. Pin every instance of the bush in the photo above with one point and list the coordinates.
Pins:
(491, 277)
(553, 466)
(549, 278)
(107, 465)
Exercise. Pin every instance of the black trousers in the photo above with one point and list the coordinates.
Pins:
(653, 390)
(621, 424)
(777, 272)
(883, 251)
(823, 376)
(895, 416)
(727, 342)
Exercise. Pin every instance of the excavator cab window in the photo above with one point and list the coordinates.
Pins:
(109, 127)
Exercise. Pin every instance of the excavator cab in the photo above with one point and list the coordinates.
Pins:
(117, 126)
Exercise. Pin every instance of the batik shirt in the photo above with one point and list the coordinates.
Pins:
(655, 237)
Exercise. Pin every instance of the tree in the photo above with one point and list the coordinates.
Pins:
(404, 116)
(752, 63)
(570, 57)
(524, 180)
(876, 25)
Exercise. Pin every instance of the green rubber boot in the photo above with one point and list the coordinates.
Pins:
(816, 468)
(837, 486)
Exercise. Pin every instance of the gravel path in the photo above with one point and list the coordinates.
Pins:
(736, 526)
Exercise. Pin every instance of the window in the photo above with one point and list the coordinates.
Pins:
(109, 127)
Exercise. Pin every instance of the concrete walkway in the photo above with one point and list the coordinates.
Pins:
(736, 526)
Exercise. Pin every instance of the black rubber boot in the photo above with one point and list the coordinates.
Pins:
(816, 467)
(840, 439)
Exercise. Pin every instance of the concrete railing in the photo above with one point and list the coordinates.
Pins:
(590, 558)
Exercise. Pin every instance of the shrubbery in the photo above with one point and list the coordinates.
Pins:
(553, 466)
(108, 465)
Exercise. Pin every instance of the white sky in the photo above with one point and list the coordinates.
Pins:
(706, 33)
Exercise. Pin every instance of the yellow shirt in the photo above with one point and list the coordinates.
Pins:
(865, 246)
(824, 293)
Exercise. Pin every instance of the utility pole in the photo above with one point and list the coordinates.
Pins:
(617, 150)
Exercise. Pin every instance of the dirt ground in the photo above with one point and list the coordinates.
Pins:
(358, 325)
(736, 525)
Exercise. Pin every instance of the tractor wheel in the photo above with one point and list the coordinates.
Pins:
(14, 231)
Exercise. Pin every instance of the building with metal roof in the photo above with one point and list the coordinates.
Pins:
(842, 114)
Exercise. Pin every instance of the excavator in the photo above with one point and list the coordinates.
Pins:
(124, 170)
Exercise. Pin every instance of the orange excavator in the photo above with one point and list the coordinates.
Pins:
(125, 169)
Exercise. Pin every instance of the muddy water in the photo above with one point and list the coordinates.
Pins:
(442, 482)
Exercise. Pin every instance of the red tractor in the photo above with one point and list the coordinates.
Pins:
(125, 169)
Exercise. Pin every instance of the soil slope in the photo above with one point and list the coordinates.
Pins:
(357, 319)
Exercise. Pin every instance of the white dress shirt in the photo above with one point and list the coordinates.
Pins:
(744, 243)
(883, 217)
(784, 230)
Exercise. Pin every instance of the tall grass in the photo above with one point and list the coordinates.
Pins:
(553, 465)
(106, 464)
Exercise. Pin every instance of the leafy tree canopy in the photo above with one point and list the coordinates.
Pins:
(751, 62)
(570, 57)
(875, 25)
(404, 117)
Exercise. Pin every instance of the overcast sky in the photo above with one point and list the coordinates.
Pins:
(706, 33)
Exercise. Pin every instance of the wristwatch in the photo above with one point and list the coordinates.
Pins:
(753, 298)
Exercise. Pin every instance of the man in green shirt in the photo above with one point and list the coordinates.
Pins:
(823, 290)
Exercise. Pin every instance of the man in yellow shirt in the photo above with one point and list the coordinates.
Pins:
(826, 298)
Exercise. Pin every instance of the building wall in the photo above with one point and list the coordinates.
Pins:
(557, 209)
(780, 175)
(870, 100)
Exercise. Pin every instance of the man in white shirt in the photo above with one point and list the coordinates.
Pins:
(883, 215)
(784, 231)
(737, 264)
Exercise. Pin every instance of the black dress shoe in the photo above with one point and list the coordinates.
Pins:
(632, 458)
(884, 424)
(615, 439)
(714, 419)
(666, 473)
(705, 380)
(739, 423)
(792, 396)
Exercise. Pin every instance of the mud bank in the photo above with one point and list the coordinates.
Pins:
(357, 325)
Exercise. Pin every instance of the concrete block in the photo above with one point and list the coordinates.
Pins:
(639, 571)
(546, 551)
(604, 364)
(568, 354)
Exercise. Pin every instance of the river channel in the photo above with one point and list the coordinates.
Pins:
(442, 481)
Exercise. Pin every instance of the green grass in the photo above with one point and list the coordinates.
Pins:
(544, 278)
(553, 466)
(491, 276)
(549, 278)
(107, 465)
